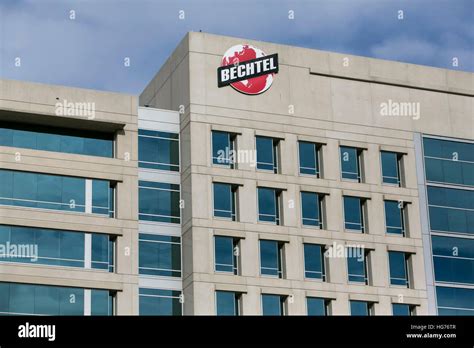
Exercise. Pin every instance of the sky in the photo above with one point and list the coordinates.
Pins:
(41, 42)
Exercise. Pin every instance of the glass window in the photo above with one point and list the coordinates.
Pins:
(159, 202)
(102, 302)
(401, 309)
(158, 150)
(54, 192)
(309, 161)
(225, 201)
(267, 154)
(311, 204)
(223, 148)
(314, 262)
(271, 255)
(350, 163)
(398, 268)
(357, 265)
(47, 138)
(453, 259)
(227, 303)
(226, 253)
(455, 301)
(450, 162)
(159, 302)
(269, 205)
(159, 255)
(354, 214)
(394, 217)
(317, 306)
(273, 305)
(451, 210)
(103, 252)
(391, 168)
(54, 247)
(360, 308)
(32, 299)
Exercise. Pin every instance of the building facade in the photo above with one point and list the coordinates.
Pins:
(344, 188)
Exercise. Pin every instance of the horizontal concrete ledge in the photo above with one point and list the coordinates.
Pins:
(229, 233)
(403, 248)
(73, 122)
(364, 297)
(448, 90)
(231, 287)
(406, 300)
(330, 295)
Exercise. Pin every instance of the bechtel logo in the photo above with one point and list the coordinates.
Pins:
(247, 69)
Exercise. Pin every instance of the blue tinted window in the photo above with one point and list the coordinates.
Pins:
(159, 302)
(159, 255)
(394, 217)
(308, 158)
(310, 208)
(449, 161)
(453, 259)
(400, 309)
(267, 154)
(56, 139)
(398, 268)
(227, 303)
(101, 302)
(390, 168)
(273, 305)
(224, 201)
(55, 247)
(223, 149)
(353, 214)
(316, 306)
(158, 150)
(356, 265)
(350, 163)
(455, 301)
(270, 258)
(451, 210)
(159, 202)
(29, 299)
(103, 252)
(226, 251)
(268, 205)
(360, 308)
(48, 191)
(314, 261)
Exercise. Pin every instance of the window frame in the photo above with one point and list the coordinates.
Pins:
(278, 206)
(280, 270)
(359, 164)
(275, 155)
(236, 269)
(320, 204)
(237, 302)
(233, 202)
(317, 154)
(232, 144)
(323, 261)
(363, 215)
(399, 164)
(406, 267)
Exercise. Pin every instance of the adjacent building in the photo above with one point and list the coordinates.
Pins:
(342, 185)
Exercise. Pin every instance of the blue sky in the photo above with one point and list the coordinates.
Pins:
(89, 51)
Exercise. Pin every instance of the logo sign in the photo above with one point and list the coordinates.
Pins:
(247, 69)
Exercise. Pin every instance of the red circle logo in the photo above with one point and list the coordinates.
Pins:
(241, 53)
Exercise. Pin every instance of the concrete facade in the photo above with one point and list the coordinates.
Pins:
(327, 98)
